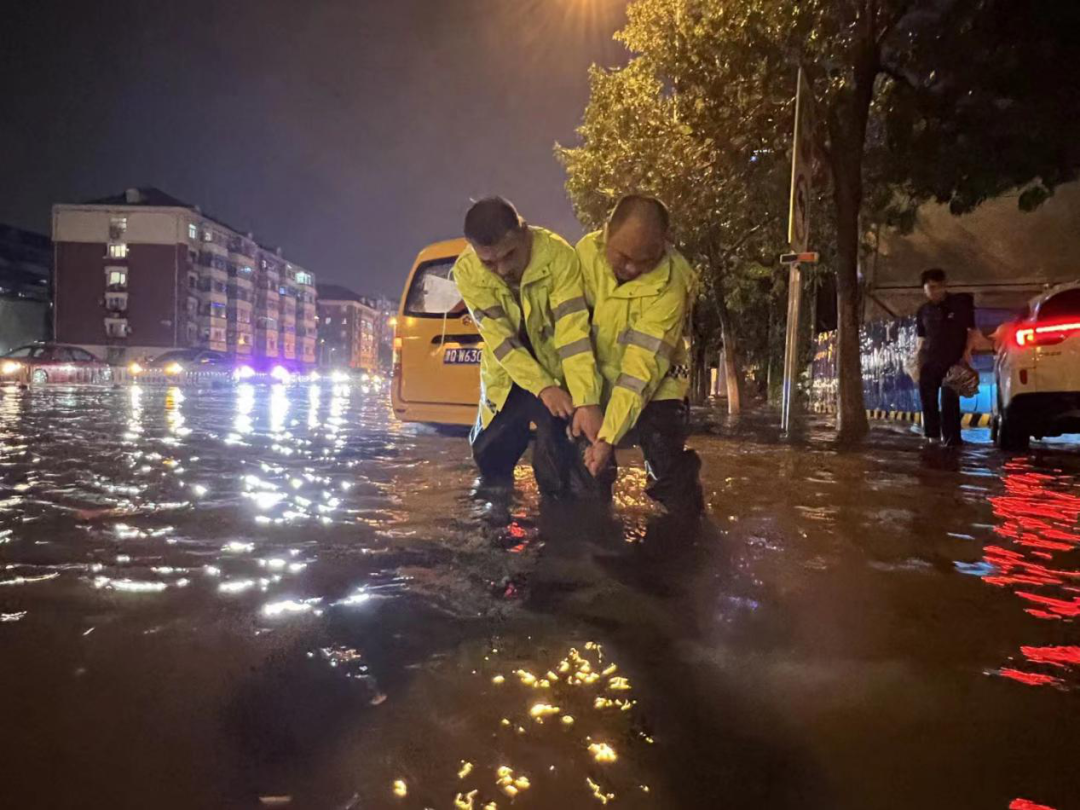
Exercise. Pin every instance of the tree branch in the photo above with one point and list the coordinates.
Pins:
(896, 75)
(895, 21)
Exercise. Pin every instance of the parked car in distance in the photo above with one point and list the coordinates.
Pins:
(183, 366)
(1037, 371)
(204, 367)
(60, 363)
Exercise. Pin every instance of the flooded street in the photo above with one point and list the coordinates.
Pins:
(280, 596)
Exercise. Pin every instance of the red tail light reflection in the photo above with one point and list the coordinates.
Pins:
(1038, 530)
(1025, 804)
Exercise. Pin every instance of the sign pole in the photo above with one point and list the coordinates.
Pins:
(791, 344)
(802, 164)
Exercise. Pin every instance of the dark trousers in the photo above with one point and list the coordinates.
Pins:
(944, 422)
(557, 462)
(673, 469)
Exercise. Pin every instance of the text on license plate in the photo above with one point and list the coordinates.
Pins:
(461, 357)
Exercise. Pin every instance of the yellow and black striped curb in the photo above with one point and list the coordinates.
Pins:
(968, 420)
(895, 416)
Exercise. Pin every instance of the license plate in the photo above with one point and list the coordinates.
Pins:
(461, 357)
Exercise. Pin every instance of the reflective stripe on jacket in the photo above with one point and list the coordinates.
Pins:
(637, 333)
(556, 320)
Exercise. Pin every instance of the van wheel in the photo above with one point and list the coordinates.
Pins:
(1011, 435)
(39, 377)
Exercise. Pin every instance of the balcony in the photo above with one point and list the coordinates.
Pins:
(116, 327)
(116, 301)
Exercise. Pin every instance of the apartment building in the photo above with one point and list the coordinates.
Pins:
(348, 326)
(25, 287)
(142, 272)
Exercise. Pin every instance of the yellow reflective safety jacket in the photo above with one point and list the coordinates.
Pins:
(637, 329)
(556, 320)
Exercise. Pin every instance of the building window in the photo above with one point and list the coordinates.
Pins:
(116, 329)
(303, 278)
(117, 277)
(208, 235)
(118, 251)
(192, 231)
(117, 227)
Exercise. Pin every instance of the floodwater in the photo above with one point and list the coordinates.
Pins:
(257, 596)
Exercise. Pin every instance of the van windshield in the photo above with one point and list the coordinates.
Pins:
(433, 292)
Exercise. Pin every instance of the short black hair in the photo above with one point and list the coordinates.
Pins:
(489, 220)
(933, 274)
(639, 205)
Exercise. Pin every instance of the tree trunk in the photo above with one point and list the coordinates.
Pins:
(699, 373)
(731, 359)
(847, 134)
(731, 376)
(851, 413)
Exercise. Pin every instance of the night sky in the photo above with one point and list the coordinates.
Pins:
(348, 132)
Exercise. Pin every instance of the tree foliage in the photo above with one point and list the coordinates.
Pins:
(951, 100)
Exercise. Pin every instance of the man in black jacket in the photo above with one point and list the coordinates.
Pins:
(945, 326)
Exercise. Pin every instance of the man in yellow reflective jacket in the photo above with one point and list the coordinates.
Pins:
(639, 290)
(524, 289)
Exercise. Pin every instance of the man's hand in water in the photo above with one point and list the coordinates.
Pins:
(597, 457)
(558, 402)
(588, 420)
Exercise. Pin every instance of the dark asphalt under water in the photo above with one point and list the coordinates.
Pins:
(282, 597)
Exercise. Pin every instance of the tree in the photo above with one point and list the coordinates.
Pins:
(640, 135)
(951, 100)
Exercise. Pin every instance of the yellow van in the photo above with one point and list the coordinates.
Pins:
(436, 344)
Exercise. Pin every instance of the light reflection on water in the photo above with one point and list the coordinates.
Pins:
(1036, 559)
(321, 583)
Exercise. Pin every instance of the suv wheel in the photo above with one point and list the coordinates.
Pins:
(1011, 435)
(39, 376)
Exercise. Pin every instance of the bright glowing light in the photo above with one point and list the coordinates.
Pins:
(135, 369)
(10, 367)
(603, 753)
(358, 598)
(289, 606)
(236, 547)
(236, 586)
(314, 376)
(243, 373)
(280, 373)
(339, 377)
(132, 585)
(266, 500)
(173, 369)
(541, 710)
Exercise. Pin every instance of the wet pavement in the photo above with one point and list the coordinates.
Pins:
(280, 596)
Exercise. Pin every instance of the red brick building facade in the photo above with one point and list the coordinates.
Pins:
(143, 272)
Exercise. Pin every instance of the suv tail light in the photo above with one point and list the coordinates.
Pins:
(1048, 334)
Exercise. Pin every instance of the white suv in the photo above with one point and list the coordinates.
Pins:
(1038, 371)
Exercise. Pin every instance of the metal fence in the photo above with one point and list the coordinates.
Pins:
(885, 347)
